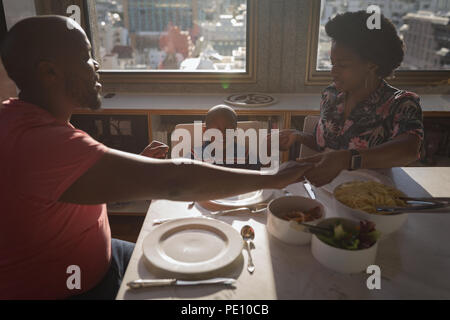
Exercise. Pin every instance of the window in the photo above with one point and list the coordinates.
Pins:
(180, 35)
(18, 10)
(422, 31)
(2, 22)
(173, 40)
(7, 87)
(140, 41)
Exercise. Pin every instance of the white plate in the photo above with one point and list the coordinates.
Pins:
(246, 199)
(192, 246)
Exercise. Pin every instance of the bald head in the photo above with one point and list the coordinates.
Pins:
(35, 39)
(221, 117)
(49, 58)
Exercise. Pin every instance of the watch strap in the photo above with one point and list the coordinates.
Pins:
(355, 160)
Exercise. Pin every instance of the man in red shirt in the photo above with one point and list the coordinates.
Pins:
(55, 179)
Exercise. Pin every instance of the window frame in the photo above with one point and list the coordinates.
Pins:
(142, 77)
(3, 27)
(315, 77)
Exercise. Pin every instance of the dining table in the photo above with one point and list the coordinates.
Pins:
(414, 261)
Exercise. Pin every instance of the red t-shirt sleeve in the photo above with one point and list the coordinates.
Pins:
(52, 159)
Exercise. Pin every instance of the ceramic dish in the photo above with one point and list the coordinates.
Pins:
(290, 231)
(192, 246)
(246, 199)
(342, 260)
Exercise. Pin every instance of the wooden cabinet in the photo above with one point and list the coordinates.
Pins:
(132, 130)
(124, 132)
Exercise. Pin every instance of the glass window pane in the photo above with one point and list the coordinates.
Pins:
(18, 10)
(423, 25)
(172, 35)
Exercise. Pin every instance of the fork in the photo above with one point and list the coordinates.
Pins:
(251, 209)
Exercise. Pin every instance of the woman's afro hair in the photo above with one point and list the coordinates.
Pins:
(382, 47)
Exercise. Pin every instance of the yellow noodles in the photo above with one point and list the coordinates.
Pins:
(367, 195)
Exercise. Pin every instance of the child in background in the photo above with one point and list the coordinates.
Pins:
(222, 117)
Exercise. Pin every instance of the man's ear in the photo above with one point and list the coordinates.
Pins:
(47, 72)
(372, 67)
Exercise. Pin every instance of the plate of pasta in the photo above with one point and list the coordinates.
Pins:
(359, 175)
(368, 195)
(359, 199)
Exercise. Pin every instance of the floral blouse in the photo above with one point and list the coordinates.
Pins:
(385, 114)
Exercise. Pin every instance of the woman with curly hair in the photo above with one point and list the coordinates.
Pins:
(364, 122)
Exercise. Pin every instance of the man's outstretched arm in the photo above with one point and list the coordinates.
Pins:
(121, 176)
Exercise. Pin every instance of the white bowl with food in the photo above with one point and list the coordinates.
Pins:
(284, 213)
(350, 247)
(359, 199)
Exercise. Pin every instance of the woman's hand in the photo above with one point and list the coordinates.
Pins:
(288, 173)
(156, 150)
(328, 166)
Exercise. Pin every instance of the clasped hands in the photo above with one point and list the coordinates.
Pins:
(327, 165)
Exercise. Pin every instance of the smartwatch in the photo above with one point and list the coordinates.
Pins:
(355, 160)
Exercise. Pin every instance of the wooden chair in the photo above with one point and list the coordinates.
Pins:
(308, 126)
(244, 125)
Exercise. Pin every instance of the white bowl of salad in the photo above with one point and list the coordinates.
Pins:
(348, 247)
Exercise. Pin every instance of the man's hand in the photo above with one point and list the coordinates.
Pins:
(288, 173)
(328, 166)
(156, 150)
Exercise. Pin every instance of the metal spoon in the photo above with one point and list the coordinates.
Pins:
(248, 234)
(191, 205)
